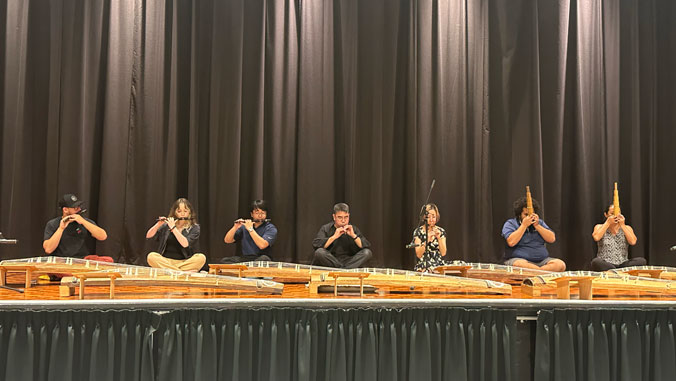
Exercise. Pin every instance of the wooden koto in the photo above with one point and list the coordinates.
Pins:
(403, 281)
(588, 281)
(86, 272)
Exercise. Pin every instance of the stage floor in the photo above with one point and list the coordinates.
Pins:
(514, 334)
(45, 294)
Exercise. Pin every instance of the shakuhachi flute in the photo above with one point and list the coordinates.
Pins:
(529, 201)
(616, 202)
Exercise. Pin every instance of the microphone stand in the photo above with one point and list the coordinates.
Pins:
(5, 241)
(423, 212)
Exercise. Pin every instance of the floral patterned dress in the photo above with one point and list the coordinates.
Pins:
(432, 257)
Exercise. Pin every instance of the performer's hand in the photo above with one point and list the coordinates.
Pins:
(65, 221)
(248, 224)
(338, 232)
(535, 219)
(171, 222)
(350, 231)
(77, 218)
(620, 220)
(528, 221)
(611, 220)
(432, 234)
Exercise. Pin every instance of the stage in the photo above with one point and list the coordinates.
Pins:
(181, 333)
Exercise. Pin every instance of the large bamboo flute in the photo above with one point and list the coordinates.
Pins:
(616, 202)
(529, 201)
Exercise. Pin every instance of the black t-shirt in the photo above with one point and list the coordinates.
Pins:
(76, 241)
(173, 249)
(192, 235)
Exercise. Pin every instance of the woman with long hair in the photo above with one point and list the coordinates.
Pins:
(177, 234)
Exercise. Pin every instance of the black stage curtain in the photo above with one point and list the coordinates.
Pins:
(240, 344)
(75, 345)
(605, 345)
(310, 102)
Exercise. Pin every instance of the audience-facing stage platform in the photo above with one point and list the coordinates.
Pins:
(409, 329)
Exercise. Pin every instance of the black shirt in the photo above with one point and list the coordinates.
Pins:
(192, 234)
(76, 241)
(343, 245)
(173, 249)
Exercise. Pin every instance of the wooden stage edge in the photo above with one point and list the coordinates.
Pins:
(532, 305)
(25, 285)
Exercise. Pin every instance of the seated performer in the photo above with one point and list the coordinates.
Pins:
(339, 244)
(613, 238)
(431, 248)
(72, 235)
(257, 235)
(178, 236)
(525, 238)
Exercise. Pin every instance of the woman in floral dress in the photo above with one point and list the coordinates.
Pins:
(430, 241)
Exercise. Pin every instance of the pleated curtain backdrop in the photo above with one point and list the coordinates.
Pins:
(132, 104)
(605, 344)
(262, 344)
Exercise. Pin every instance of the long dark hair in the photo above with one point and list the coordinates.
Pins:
(192, 216)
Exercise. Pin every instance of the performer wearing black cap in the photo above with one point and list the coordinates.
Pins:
(72, 235)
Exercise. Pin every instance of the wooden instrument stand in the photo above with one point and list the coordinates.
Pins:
(345, 274)
(449, 269)
(584, 283)
(28, 269)
(220, 268)
(95, 275)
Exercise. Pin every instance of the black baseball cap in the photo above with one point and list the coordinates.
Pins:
(70, 201)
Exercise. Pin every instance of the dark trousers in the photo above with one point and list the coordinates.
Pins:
(245, 258)
(599, 264)
(324, 257)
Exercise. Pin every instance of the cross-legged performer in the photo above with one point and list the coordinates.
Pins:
(430, 241)
(256, 234)
(178, 239)
(613, 238)
(71, 234)
(339, 244)
(525, 237)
